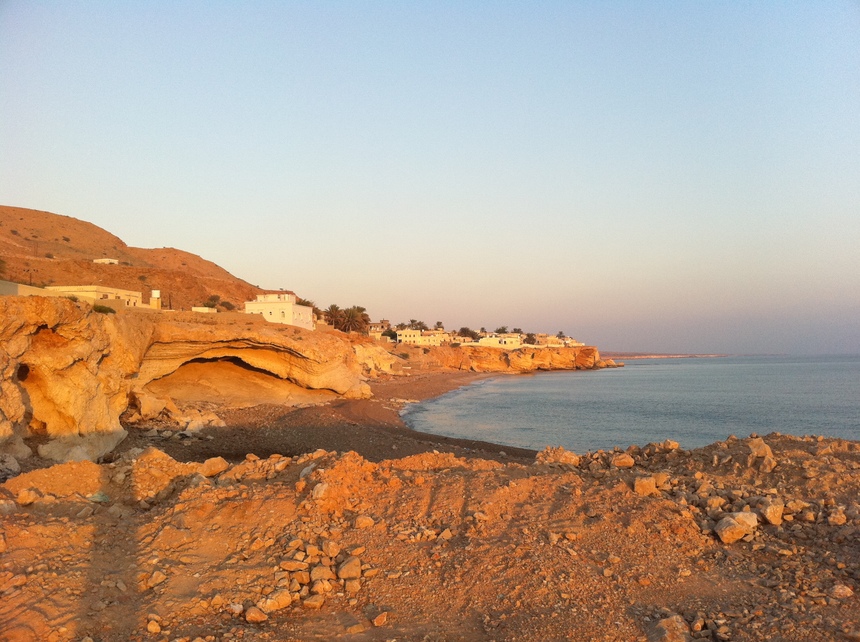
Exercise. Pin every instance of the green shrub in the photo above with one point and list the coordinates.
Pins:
(103, 309)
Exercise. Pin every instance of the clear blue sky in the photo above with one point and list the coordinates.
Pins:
(666, 176)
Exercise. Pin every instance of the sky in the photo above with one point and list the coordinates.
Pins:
(645, 176)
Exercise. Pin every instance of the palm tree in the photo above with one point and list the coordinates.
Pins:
(502, 329)
(333, 315)
(355, 319)
(439, 325)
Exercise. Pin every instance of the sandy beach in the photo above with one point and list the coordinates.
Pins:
(371, 427)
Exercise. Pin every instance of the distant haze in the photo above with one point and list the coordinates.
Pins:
(646, 176)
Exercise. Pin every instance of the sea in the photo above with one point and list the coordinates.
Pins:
(695, 401)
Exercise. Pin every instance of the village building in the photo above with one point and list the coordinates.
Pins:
(419, 338)
(508, 341)
(376, 329)
(281, 307)
(112, 297)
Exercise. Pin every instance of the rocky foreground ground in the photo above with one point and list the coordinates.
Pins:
(746, 539)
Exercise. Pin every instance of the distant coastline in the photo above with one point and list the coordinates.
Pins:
(649, 355)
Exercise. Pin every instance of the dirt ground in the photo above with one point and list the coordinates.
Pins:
(336, 522)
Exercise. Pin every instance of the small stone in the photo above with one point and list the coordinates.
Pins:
(27, 496)
(623, 460)
(644, 486)
(771, 510)
(213, 466)
(275, 601)
(841, 592)
(446, 534)
(254, 615)
(293, 565)
(836, 518)
(758, 448)
(381, 619)
(321, 572)
(767, 465)
(314, 601)
(363, 521)
(321, 586)
(320, 490)
(330, 548)
(155, 579)
(360, 627)
(352, 586)
(153, 627)
(729, 531)
(350, 568)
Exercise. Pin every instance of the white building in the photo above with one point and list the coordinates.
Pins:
(510, 341)
(281, 307)
(113, 297)
(419, 338)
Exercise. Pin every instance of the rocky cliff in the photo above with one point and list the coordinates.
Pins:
(487, 359)
(67, 373)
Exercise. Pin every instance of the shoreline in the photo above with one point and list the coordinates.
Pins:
(371, 427)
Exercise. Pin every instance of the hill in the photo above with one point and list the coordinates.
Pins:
(41, 248)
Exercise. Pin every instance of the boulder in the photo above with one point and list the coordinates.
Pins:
(645, 486)
(213, 466)
(771, 511)
(736, 526)
(623, 460)
(275, 601)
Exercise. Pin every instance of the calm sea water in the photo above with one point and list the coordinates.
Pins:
(694, 401)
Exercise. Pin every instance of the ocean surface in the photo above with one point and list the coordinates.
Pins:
(693, 401)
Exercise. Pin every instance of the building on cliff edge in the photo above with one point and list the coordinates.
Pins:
(281, 307)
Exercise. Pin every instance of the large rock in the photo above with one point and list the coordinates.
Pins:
(736, 526)
(64, 370)
(67, 372)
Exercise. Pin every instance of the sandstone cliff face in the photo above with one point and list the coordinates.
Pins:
(310, 359)
(486, 359)
(68, 373)
(65, 370)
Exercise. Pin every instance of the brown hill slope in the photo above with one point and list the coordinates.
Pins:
(50, 249)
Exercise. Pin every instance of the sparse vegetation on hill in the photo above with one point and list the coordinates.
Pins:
(50, 249)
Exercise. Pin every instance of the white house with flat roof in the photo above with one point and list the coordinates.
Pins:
(281, 307)
(100, 294)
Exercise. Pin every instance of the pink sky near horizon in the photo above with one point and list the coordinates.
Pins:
(657, 177)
